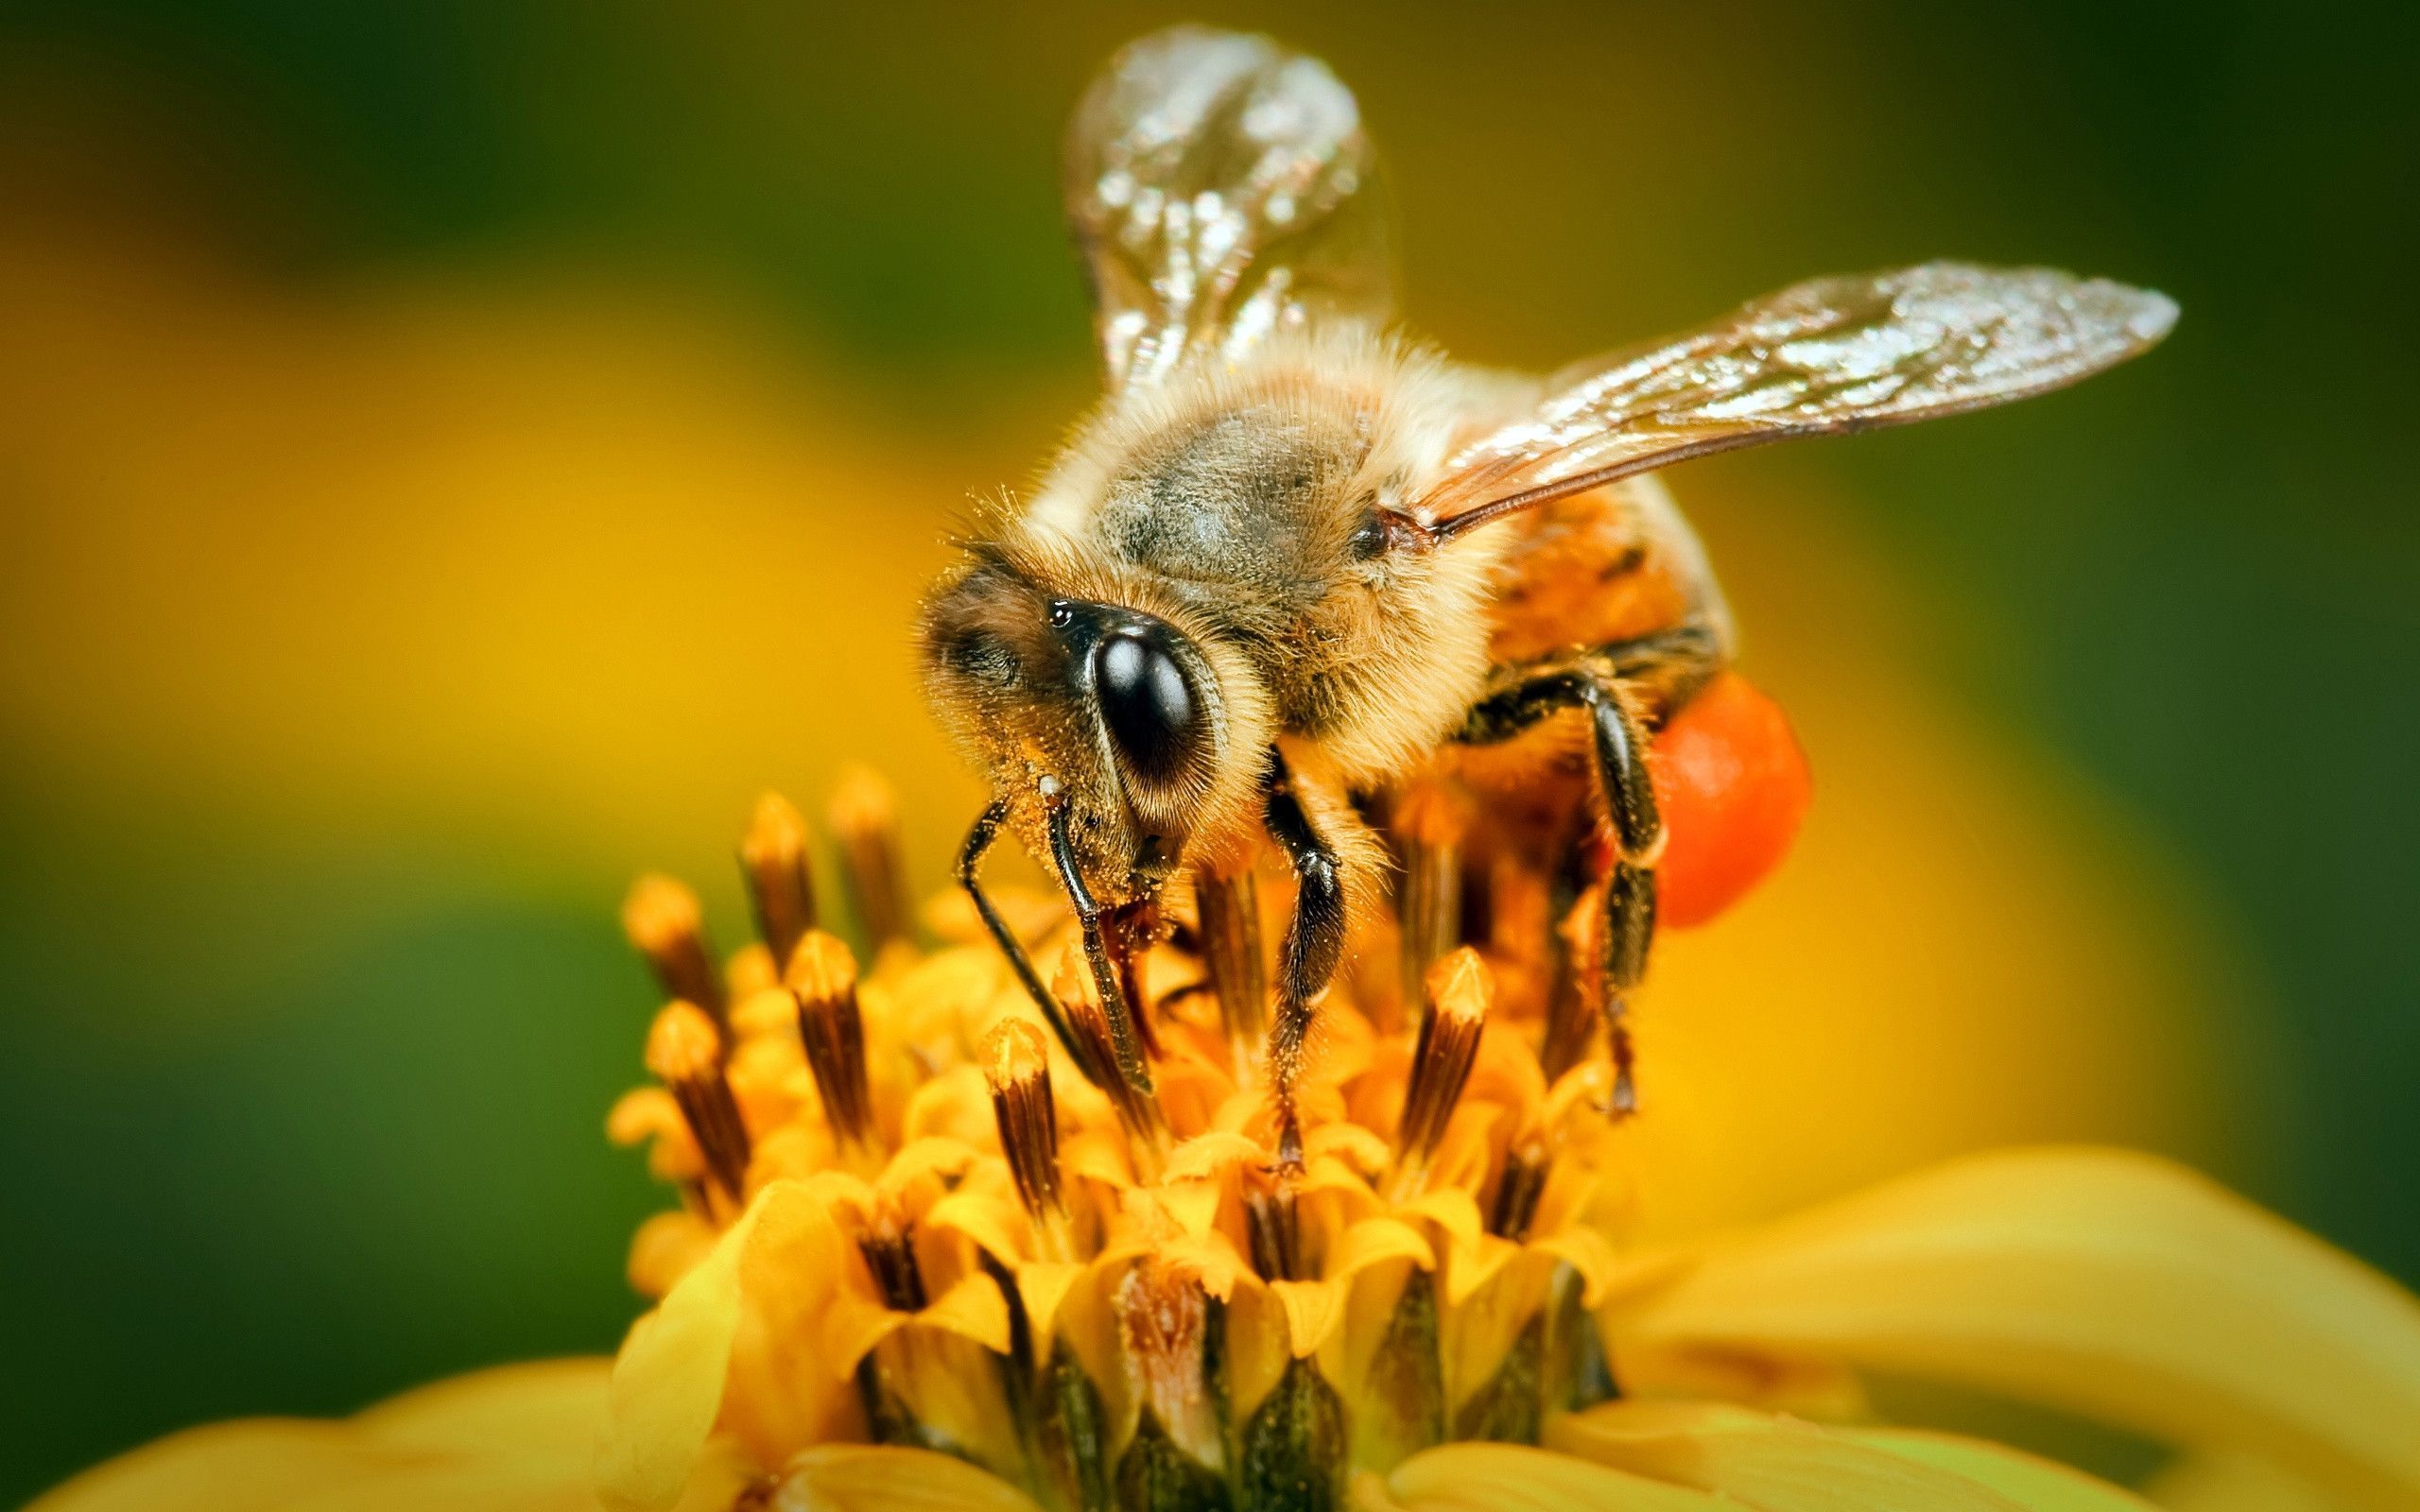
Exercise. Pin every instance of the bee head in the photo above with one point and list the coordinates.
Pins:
(1112, 721)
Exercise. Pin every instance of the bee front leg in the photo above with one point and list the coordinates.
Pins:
(980, 839)
(1622, 687)
(1314, 943)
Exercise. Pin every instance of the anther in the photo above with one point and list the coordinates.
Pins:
(1125, 1042)
(1138, 1109)
(823, 978)
(1233, 960)
(662, 917)
(865, 821)
(684, 1052)
(1273, 1223)
(1576, 993)
(1460, 991)
(1430, 822)
(889, 1244)
(781, 885)
(1525, 1167)
(1017, 1067)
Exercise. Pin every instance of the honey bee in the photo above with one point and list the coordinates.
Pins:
(1292, 554)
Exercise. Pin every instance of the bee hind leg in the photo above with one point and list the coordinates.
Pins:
(1627, 688)
(1314, 942)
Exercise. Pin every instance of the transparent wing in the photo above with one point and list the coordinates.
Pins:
(1823, 357)
(1220, 188)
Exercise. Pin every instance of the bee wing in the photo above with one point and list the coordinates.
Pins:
(1821, 358)
(1219, 187)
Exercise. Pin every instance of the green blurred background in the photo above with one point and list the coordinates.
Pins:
(453, 455)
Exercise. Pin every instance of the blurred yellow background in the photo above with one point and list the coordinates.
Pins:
(452, 457)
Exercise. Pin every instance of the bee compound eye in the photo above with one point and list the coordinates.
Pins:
(1150, 708)
(1368, 539)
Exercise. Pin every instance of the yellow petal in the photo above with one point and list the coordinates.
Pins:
(731, 1318)
(973, 1309)
(1509, 1478)
(1313, 1310)
(517, 1439)
(549, 1405)
(1192, 1206)
(666, 1247)
(242, 1466)
(2032, 1483)
(1210, 1258)
(995, 1223)
(1588, 1252)
(476, 1484)
(853, 1323)
(2111, 1285)
(668, 1382)
(932, 1155)
(1467, 1272)
(643, 1113)
(1096, 1157)
(955, 1106)
(1211, 1155)
(831, 1187)
(1329, 1173)
(1043, 1284)
(1374, 1241)
(1358, 1147)
(2234, 1482)
(1772, 1464)
(769, 1011)
(870, 1478)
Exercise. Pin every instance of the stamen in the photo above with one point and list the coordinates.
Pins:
(888, 1244)
(1125, 1044)
(1461, 990)
(865, 821)
(1273, 1223)
(662, 917)
(1138, 1109)
(1232, 958)
(781, 883)
(684, 1052)
(1518, 1189)
(824, 980)
(1577, 990)
(1016, 1064)
(1127, 932)
(1430, 821)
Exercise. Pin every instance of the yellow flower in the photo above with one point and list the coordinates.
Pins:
(923, 1259)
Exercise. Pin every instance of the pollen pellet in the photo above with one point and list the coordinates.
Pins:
(1733, 786)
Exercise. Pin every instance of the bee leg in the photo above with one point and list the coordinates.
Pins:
(1125, 1044)
(970, 861)
(1618, 684)
(1314, 942)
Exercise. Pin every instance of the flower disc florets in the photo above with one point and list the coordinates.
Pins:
(995, 1246)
